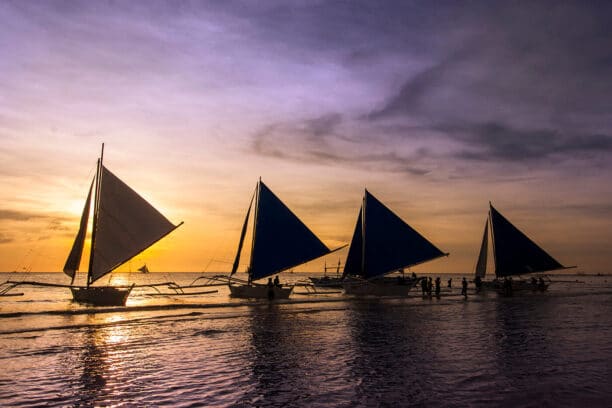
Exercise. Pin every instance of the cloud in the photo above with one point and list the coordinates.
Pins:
(595, 209)
(54, 223)
(496, 141)
(15, 215)
(412, 93)
(5, 239)
(322, 141)
(527, 83)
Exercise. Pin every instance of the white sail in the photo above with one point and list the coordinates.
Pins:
(126, 225)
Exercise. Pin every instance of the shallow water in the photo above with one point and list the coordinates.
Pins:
(551, 349)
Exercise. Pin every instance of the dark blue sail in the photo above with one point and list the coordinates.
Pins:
(515, 253)
(354, 259)
(481, 264)
(280, 239)
(389, 243)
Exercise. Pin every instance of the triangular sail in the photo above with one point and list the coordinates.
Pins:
(144, 269)
(242, 235)
(127, 224)
(515, 253)
(280, 239)
(389, 243)
(481, 264)
(383, 243)
(74, 258)
(354, 258)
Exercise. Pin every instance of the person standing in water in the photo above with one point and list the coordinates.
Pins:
(270, 289)
(464, 285)
(438, 287)
(478, 284)
(450, 283)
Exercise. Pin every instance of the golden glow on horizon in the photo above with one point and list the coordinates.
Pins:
(47, 208)
(212, 249)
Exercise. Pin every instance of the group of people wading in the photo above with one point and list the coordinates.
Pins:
(428, 286)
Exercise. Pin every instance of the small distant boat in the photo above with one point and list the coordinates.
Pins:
(327, 281)
(382, 244)
(124, 224)
(514, 254)
(280, 242)
(144, 269)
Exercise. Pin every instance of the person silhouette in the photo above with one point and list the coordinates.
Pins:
(464, 285)
(478, 283)
(270, 289)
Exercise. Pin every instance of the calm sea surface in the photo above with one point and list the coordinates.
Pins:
(552, 349)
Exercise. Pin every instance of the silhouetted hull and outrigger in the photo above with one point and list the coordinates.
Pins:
(514, 255)
(326, 281)
(382, 244)
(100, 295)
(378, 287)
(259, 291)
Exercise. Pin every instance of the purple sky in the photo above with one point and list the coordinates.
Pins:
(436, 107)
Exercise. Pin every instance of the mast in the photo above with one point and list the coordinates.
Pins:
(492, 238)
(95, 216)
(363, 235)
(257, 192)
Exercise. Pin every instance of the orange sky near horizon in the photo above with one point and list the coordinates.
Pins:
(435, 112)
(47, 210)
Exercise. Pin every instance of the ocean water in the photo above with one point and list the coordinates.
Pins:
(551, 349)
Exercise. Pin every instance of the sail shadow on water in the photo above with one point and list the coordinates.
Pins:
(86, 368)
(275, 364)
(93, 362)
(525, 343)
(392, 356)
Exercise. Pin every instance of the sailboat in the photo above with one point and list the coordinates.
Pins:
(514, 254)
(144, 269)
(124, 224)
(383, 243)
(327, 281)
(280, 241)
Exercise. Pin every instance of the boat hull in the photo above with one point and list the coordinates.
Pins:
(326, 282)
(365, 288)
(518, 286)
(260, 292)
(101, 295)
